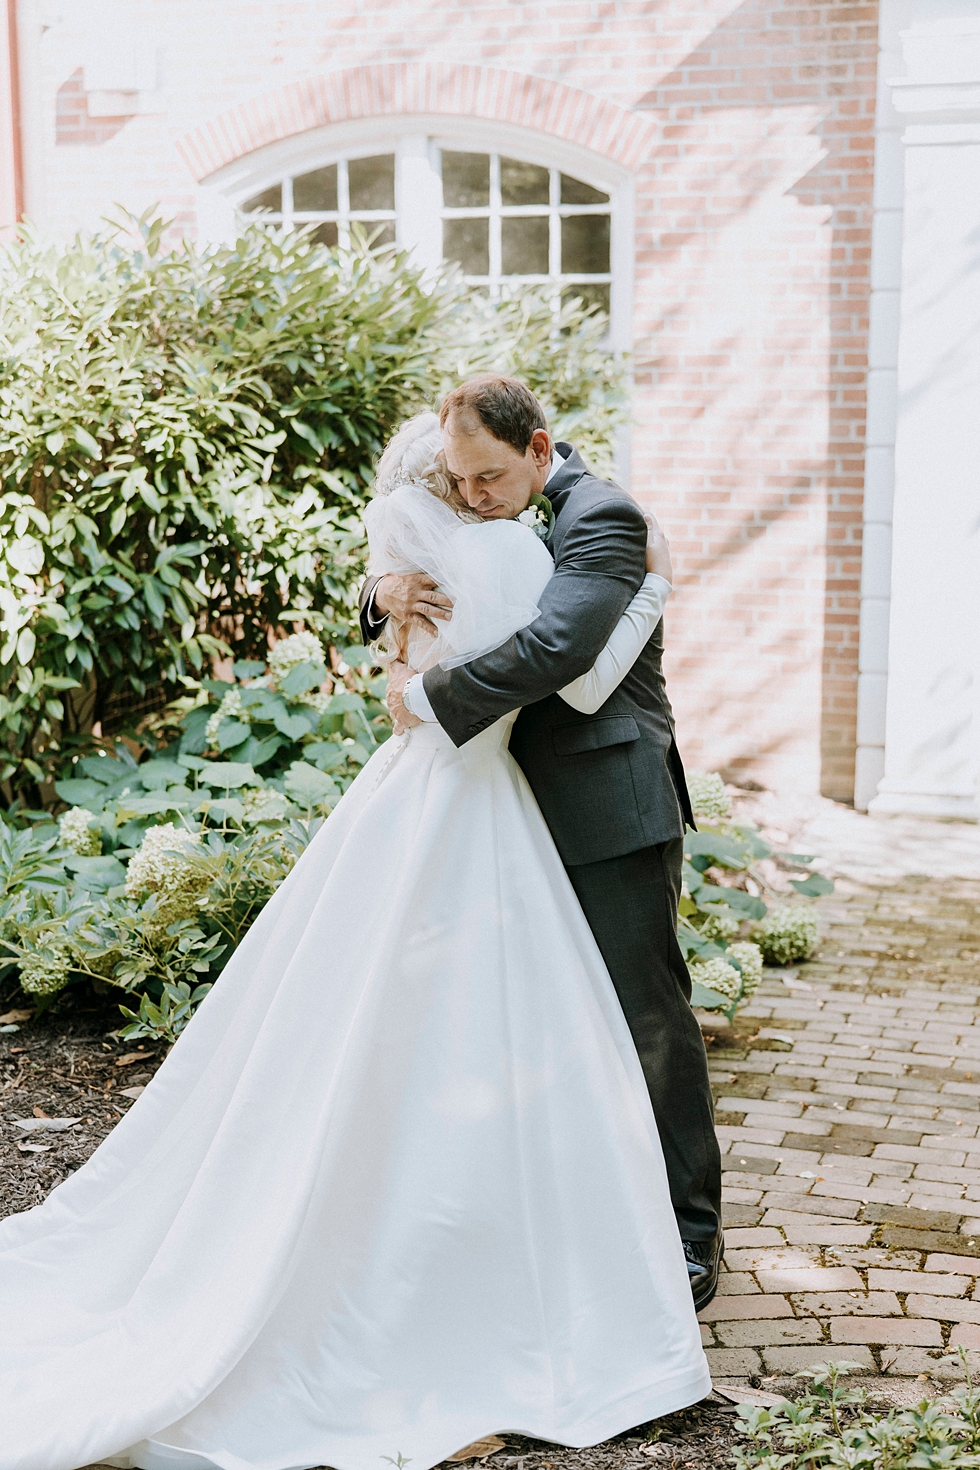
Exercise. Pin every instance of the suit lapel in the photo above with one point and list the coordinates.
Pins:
(561, 483)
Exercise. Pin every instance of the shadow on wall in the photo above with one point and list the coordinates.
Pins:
(72, 122)
(776, 106)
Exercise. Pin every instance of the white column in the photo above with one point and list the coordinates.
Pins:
(879, 462)
(932, 726)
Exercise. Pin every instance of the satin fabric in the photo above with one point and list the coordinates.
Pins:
(397, 1187)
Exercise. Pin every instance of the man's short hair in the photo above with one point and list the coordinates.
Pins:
(505, 406)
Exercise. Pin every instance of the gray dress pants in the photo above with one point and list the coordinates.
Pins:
(631, 905)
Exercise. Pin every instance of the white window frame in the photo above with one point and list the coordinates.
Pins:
(416, 143)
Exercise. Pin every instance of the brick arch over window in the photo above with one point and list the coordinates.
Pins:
(436, 88)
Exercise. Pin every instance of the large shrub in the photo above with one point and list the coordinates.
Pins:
(187, 441)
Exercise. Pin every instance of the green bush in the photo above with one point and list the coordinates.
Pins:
(187, 444)
(829, 1425)
(726, 929)
(152, 875)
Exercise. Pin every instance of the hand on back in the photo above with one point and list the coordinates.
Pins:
(412, 597)
(658, 549)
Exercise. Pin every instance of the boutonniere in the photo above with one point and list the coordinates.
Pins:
(539, 516)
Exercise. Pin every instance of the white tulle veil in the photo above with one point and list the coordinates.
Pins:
(493, 571)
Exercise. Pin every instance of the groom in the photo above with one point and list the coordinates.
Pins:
(610, 785)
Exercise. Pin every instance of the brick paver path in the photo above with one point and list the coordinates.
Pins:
(850, 1120)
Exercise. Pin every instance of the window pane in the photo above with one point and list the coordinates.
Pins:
(585, 244)
(268, 199)
(573, 191)
(468, 242)
(326, 234)
(372, 182)
(317, 190)
(597, 295)
(522, 183)
(524, 246)
(465, 180)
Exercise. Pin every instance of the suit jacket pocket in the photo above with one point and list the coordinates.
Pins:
(595, 734)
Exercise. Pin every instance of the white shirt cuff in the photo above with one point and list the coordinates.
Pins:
(416, 701)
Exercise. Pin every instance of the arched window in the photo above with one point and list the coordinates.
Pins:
(506, 221)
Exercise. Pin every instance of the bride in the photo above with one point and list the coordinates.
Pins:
(399, 1184)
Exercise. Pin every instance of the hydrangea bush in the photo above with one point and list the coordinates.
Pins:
(726, 929)
(151, 877)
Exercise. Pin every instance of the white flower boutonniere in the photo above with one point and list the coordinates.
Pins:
(539, 517)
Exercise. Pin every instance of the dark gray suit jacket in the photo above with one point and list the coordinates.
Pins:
(608, 783)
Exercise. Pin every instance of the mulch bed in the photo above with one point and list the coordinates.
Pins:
(68, 1064)
(64, 1065)
(700, 1437)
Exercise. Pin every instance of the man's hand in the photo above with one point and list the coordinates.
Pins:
(402, 718)
(412, 597)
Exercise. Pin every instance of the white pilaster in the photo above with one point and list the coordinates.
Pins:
(932, 723)
(879, 464)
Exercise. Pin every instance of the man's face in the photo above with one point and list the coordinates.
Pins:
(491, 476)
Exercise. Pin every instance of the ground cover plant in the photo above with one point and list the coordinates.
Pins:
(727, 929)
(830, 1426)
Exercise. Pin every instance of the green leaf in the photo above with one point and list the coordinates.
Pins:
(707, 999)
(177, 799)
(294, 726)
(96, 873)
(229, 775)
(814, 886)
(55, 442)
(303, 677)
(86, 443)
(722, 851)
(357, 656)
(309, 787)
(257, 752)
(245, 668)
(90, 794)
(225, 806)
(26, 555)
(232, 733)
(345, 701)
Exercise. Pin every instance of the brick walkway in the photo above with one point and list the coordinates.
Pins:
(850, 1119)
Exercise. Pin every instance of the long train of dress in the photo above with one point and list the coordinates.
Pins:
(398, 1186)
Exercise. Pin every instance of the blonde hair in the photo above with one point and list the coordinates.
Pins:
(414, 456)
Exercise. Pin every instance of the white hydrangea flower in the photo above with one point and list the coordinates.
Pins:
(718, 975)
(162, 865)
(45, 972)
(720, 925)
(787, 933)
(230, 708)
(262, 802)
(317, 699)
(709, 799)
(749, 956)
(298, 648)
(75, 834)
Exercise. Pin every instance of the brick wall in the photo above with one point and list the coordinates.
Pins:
(752, 246)
(766, 405)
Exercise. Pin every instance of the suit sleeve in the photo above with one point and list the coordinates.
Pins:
(370, 627)
(600, 565)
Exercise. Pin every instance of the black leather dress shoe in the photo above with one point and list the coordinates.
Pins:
(703, 1264)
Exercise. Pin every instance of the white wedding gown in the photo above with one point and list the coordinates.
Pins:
(397, 1187)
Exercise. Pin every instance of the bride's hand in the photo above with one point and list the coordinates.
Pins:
(402, 718)
(658, 549)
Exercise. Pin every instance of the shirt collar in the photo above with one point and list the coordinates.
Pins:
(557, 460)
